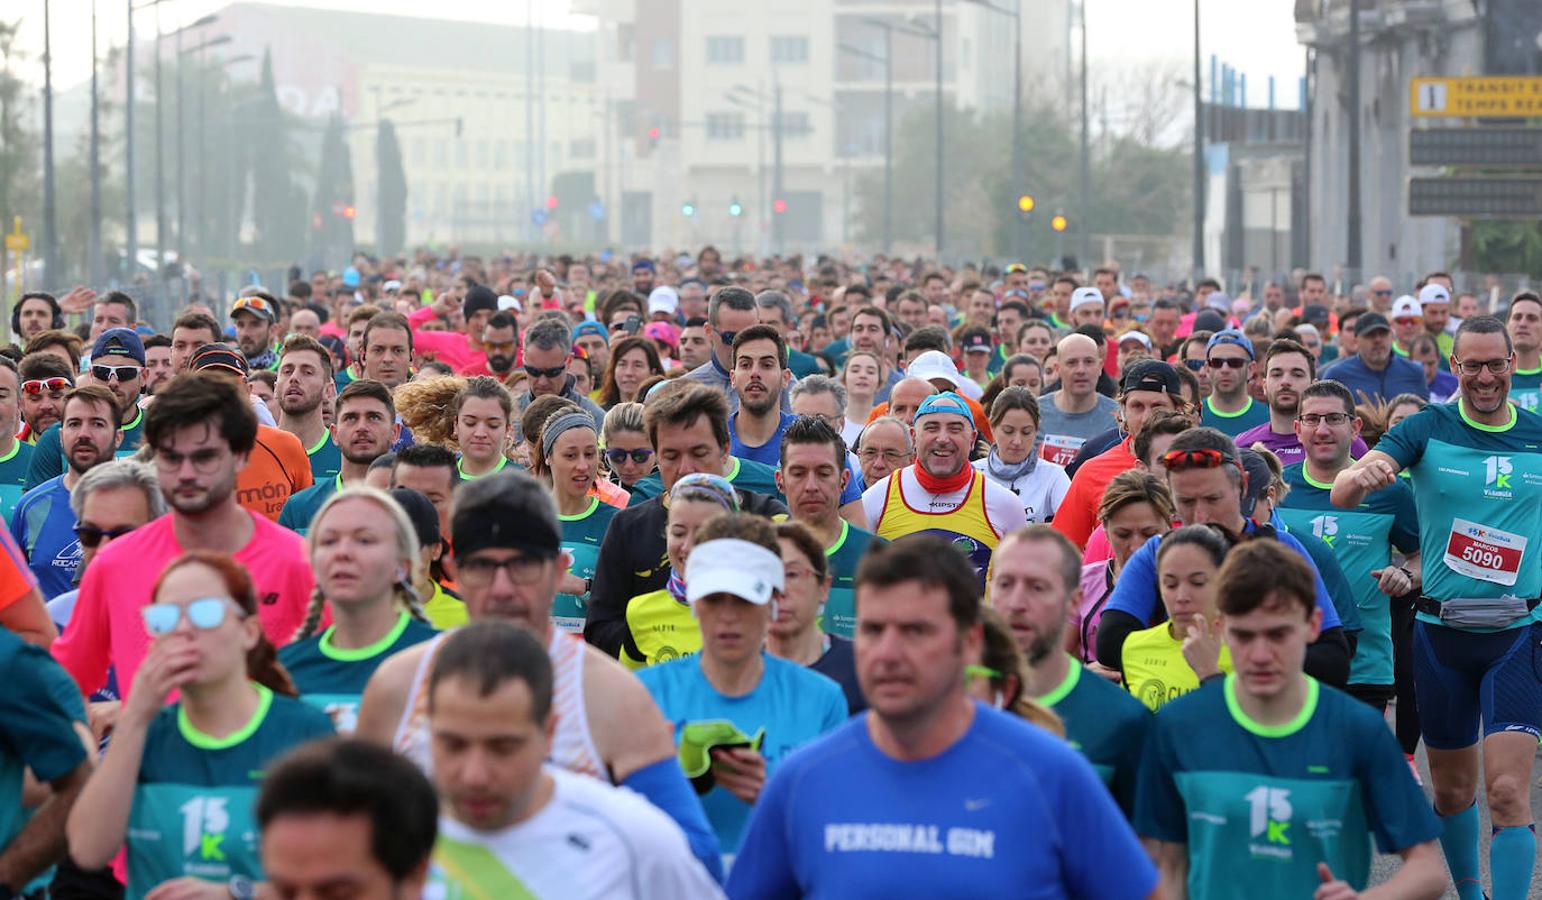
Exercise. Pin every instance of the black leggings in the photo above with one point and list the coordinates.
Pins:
(1407, 726)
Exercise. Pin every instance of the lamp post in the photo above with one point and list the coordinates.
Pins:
(1084, 228)
(50, 221)
(1020, 227)
(1352, 255)
(1199, 158)
(131, 222)
(203, 154)
(160, 196)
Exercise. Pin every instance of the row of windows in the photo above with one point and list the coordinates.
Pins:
(438, 153)
(730, 126)
(729, 49)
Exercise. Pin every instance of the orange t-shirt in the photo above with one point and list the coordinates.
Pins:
(276, 469)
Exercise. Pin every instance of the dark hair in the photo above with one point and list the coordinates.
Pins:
(881, 315)
(491, 653)
(262, 665)
(1205, 438)
(1016, 306)
(386, 320)
(762, 333)
(1208, 538)
(814, 430)
(1482, 325)
(1160, 422)
(610, 392)
(53, 306)
(302, 342)
(121, 299)
(1329, 388)
(57, 337)
(352, 777)
(1012, 398)
(683, 407)
(807, 544)
(93, 393)
(157, 340)
(932, 562)
(365, 388)
(424, 456)
(1070, 557)
(1134, 486)
(735, 298)
(1282, 346)
(743, 526)
(35, 366)
(1264, 574)
(503, 319)
(482, 387)
(1528, 296)
(197, 321)
(928, 337)
(194, 397)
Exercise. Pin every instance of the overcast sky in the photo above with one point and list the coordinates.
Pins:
(1257, 36)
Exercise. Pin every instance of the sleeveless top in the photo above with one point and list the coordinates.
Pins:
(965, 525)
(572, 746)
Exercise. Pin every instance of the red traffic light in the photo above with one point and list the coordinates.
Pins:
(778, 206)
(551, 201)
(653, 133)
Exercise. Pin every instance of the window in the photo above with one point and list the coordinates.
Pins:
(664, 54)
(789, 48)
(725, 50)
(482, 154)
(419, 151)
(725, 126)
(796, 125)
(581, 148)
(441, 154)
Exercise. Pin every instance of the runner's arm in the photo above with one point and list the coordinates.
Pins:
(1113, 627)
(41, 842)
(1422, 876)
(1327, 658)
(855, 513)
(1373, 471)
(1172, 862)
(99, 819)
(27, 618)
(605, 621)
(385, 698)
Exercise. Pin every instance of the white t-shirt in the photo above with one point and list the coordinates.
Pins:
(850, 432)
(1040, 490)
(589, 840)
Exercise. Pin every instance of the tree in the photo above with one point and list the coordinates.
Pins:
(276, 221)
(19, 160)
(391, 213)
(332, 204)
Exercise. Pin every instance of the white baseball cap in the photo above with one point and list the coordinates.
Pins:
(1136, 335)
(1085, 295)
(1434, 293)
(933, 364)
(1406, 307)
(509, 301)
(733, 566)
(663, 299)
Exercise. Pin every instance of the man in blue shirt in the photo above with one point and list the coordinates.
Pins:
(931, 791)
(759, 376)
(1375, 371)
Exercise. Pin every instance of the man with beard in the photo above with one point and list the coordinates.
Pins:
(730, 311)
(501, 341)
(643, 277)
(304, 374)
(35, 313)
(117, 363)
(45, 379)
(942, 493)
(364, 430)
(1230, 408)
(1288, 370)
(1375, 373)
(1035, 582)
(758, 377)
(159, 367)
(15, 454)
(256, 316)
(191, 331)
(43, 523)
(202, 430)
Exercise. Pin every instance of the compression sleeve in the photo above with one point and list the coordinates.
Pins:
(663, 784)
(605, 620)
(1113, 628)
(1327, 658)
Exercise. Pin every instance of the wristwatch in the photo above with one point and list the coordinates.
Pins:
(241, 888)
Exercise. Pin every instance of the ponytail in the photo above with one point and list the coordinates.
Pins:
(312, 616)
(263, 667)
(407, 596)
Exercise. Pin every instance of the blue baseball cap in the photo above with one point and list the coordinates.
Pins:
(1230, 336)
(590, 327)
(121, 342)
(643, 264)
(945, 403)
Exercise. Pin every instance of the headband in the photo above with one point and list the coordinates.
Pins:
(565, 422)
(706, 486)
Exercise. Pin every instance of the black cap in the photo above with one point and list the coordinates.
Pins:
(218, 356)
(1151, 375)
(509, 510)
(1371, 321)
(977, 341)
(425, 519)
(1209, 320)
(478, 298)
(1315, 313)
(1259, 478)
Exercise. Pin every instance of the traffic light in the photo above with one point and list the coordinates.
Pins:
(779, 206)
(735, 208)
(688, 208)
(1025, 204)
(1059, 222)
(551, 201)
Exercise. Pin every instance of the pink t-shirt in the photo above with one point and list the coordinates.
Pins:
(446, 346)
(106, 628)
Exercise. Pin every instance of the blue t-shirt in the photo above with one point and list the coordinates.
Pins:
(1136, 592)
(300, 508)
(13, 477)
(44, 527)
(1008, 811)
(1262, 805)
(767, 454)
(793, 706)
(1475, 487)
(1362, 540)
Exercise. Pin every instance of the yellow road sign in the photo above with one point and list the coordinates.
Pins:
(1485, 95)
(17, 242)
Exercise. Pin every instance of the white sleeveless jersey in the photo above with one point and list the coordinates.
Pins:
(590, 840)
(572, 746)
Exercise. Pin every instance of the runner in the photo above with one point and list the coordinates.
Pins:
(15, 454)
(1270, 779)
(796, 632)
(1375, 372)
(443, 608)
(759, 376)
(507, 544)
(365, 554)
(567, 461)
(513, 825)
(1288, 369)
(942, 493)
(547, 351)
(737, 710)
(481, 428)
(1363, 539)
(118, 361)
(1477, 612)
(177, 786)
(428, 469)
(628, 455)
(921, 794)
(884, 447)
(366, 427)
(1136, 507)
(1524, 323)
(1076, 411)
(45, 379)
(255, 316)
(1013, 462)
(304, 374)
(1035, 586)
(1176, 656)
(346, 817)
(633, 360)
(1229, 409)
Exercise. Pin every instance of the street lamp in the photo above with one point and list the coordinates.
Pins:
(1020, 230)
(921, 29)
(888, 123)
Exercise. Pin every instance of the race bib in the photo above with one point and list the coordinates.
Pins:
(1060, 449)
(1485, 553)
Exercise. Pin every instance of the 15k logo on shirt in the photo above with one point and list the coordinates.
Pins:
(1497, 471)
(1269, 818)
(204, 820)
(1326, 528)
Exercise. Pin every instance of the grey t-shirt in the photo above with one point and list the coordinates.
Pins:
(1061, 434)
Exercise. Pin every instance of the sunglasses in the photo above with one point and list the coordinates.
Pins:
(37, 386)
(90, 535)
(1406, 320)
(1381, 293)
(257, 304)
(114, 373)
(1194, 364)
(1178, 460)
(205, 614)
(1228, 362)
(728, 337)
(553, 372)
(617, 457)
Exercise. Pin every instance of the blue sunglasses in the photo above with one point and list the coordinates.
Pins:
(205, 614)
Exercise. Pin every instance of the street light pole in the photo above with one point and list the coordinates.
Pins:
(1352, 256)
(1020, 225)
(941, 240)
(94, 235)
(1199, 158)
(131, 229)
(888, 122)
(160, 191)
(1084, 228)
(50, 220)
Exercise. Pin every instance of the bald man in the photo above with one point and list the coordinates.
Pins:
(1076, 412)
(907, 396)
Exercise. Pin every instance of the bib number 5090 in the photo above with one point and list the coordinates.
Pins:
(1484, 553)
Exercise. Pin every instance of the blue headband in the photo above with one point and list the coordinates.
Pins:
(945, 402)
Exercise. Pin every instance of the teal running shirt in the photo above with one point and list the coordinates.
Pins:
(843, 556)
(1106, 725)
(13, 477)
(332, 679)
(326, 459)
(581, 536)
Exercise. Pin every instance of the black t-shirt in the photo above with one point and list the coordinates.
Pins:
(840, 663)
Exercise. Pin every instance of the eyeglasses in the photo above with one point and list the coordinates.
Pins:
(1383, 293)
(205, 614)
(1334, 420)
(35, 387)
(1194, 364)
(1177, 460)
(1474, 366)
(115, 373)
(800, 574)
(90, 535)
(205, 460)
(479, 573)
(553, 372)
(893, 456)
(1226, 362)
(638, 456)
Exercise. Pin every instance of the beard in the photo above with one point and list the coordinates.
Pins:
(212, 496)
(500, 363)
(80, 467)
(303, 407)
